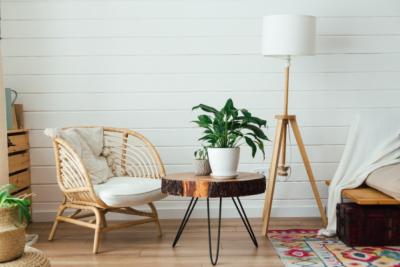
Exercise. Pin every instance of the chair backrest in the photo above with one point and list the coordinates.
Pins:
(131, 154)
(72, 176)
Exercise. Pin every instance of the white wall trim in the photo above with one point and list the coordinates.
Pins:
(200, 211)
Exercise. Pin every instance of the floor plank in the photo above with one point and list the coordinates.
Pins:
(140, 246)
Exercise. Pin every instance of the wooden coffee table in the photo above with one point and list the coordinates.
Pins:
(189, 185)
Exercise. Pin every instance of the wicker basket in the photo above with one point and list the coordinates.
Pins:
(31, 258)
(12, 235)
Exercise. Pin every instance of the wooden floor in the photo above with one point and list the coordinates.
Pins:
(139, 245)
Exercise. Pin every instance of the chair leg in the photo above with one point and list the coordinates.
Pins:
(103, 218)
(156, 220)
(99, 221)
(60, 212)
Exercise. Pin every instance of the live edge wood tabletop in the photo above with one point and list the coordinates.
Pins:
(187, 184)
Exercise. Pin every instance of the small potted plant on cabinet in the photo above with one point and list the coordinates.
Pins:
(200, 163)
(224, 130)
(14, 216)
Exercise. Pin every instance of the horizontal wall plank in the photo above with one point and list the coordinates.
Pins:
(188, 46)
(175, 209)
(176, 119)
(26, 27)
(207, 82)
(130, 28)
(192, 8)
(184, 155)
(197, 64)
(322, 171)
(185, 101)
(189, 136)
(371, 25)
(293, 190)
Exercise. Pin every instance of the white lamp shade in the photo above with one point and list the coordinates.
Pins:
(288, 35)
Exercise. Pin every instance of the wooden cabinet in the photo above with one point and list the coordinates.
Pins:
(368, 225)
(19, 160)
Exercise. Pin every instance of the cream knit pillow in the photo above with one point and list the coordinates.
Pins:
(386, 180)
(88, 143)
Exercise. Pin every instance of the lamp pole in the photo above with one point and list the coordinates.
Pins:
(282, 168)
(286, 89)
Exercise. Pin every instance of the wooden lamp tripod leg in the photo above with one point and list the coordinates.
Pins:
(307, 165)
(283, 122)
(269, 194)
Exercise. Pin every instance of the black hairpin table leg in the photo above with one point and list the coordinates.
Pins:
(185, 219)
(245, 220)
(214, 261)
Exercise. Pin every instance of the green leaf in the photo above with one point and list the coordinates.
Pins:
(246, 113)
(252, 145)
(208, 131)
(201, 153)
(206, 108)
(207, 137)
(228, 107)
(3, 197)
(260, 145)
(257, 131)
(201, 124)
(24, 214)
(258, 121)
(205, 119)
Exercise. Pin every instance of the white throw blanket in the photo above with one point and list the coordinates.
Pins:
(373, 142)
(88, 143)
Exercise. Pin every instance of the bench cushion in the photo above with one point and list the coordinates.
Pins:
(129, 191)
(386, 180)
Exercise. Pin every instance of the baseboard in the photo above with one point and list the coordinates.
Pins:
(177, 211)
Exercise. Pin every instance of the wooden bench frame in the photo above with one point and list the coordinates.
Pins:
(365, 195)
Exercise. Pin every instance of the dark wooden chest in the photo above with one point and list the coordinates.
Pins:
(368, 225)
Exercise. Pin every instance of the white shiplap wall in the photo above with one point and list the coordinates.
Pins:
(143, 65)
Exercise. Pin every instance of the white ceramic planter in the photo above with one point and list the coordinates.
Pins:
(224, 162)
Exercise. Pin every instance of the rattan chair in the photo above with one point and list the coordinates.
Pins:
(131, 155)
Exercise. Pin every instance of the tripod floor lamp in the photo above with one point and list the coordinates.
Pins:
(286, 36)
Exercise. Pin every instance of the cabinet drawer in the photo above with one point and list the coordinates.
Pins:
(18, 142)
(21, 180)
(18, 162)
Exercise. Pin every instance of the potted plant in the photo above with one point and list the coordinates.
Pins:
(201, 165)
(14, 216)
(224, 130)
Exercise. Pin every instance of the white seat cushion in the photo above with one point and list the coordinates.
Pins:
(129, 191)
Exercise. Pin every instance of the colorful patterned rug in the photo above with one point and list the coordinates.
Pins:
(300, 247)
